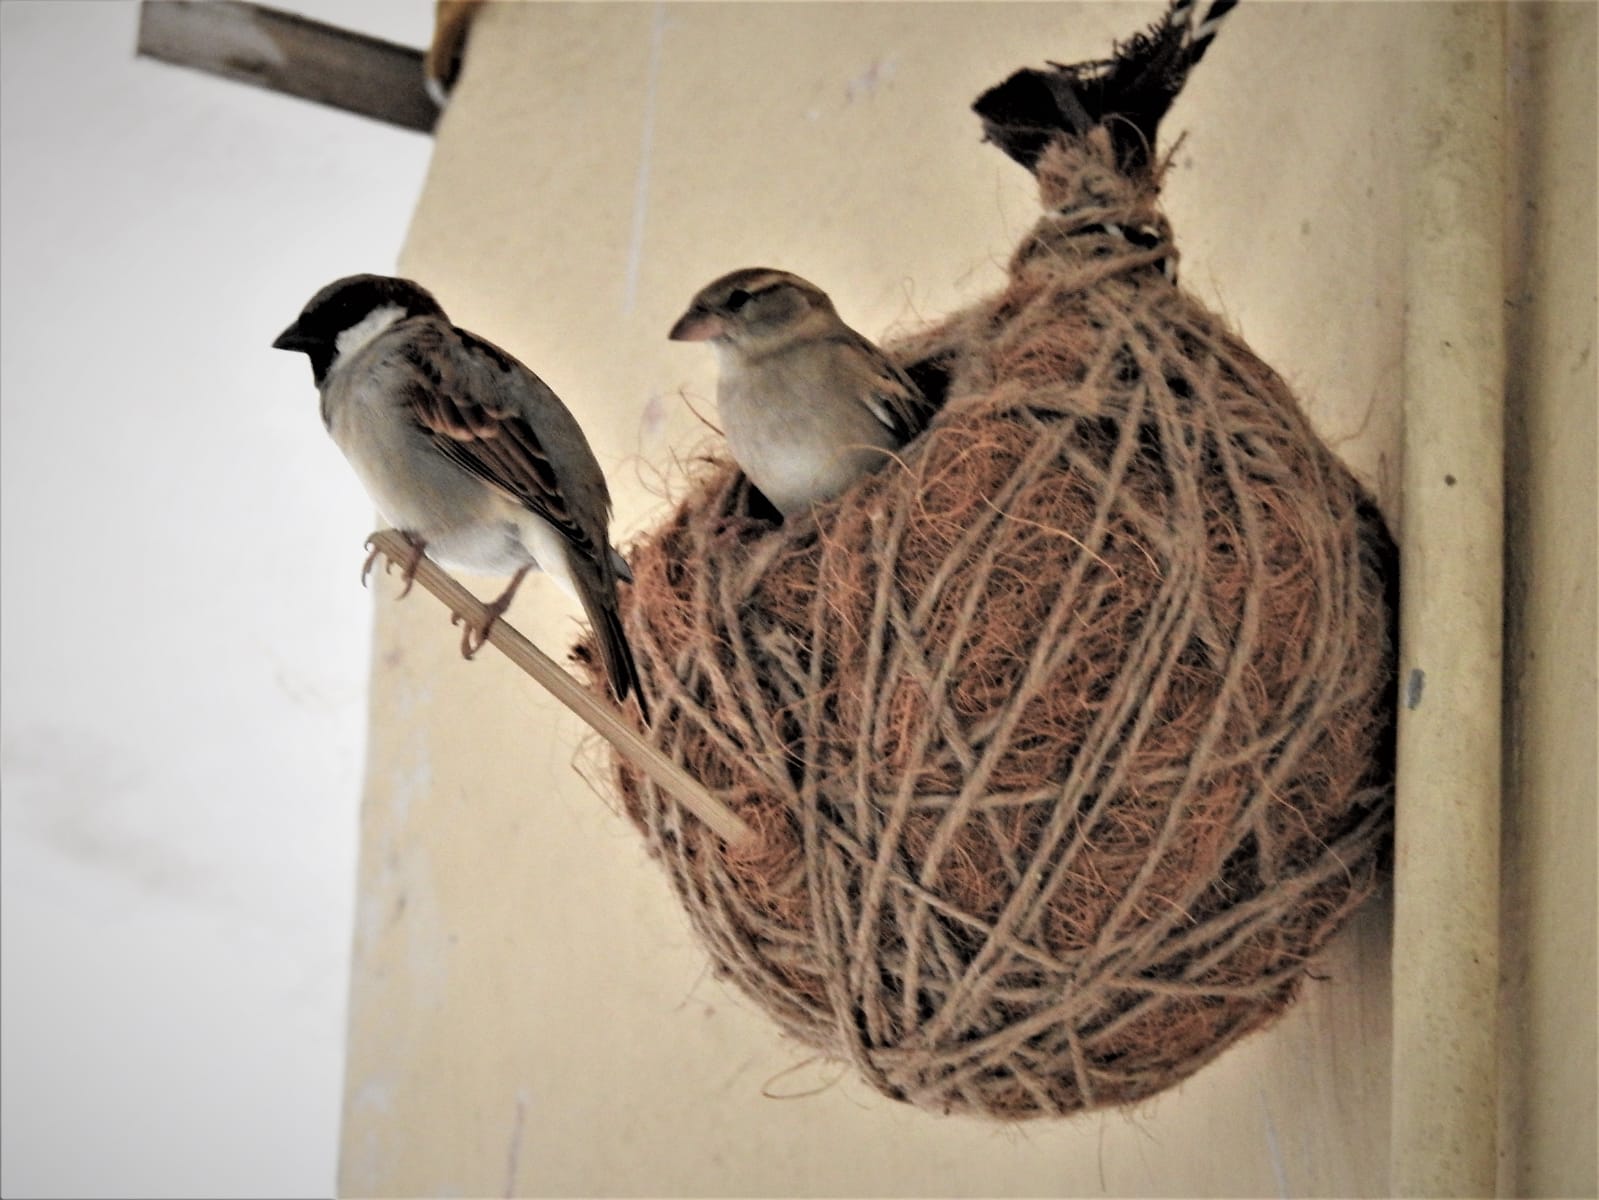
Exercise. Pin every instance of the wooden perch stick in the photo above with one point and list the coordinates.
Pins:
(688, 791)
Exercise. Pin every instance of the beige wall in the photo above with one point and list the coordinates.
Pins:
(1550, 1058)
(530, 1013)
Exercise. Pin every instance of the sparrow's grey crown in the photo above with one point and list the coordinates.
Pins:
(753, 301)
(346, 303)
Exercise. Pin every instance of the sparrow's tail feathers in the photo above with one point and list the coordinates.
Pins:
(620, 666)
(1127, 93)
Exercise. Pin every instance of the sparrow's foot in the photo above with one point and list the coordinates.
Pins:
(475, 633)
(408, 568)
(372, 557)
(411, 564)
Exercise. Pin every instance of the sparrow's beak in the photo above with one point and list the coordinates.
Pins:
(698, 325)
(293, 339)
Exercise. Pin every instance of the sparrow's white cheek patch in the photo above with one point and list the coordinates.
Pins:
(349, 343)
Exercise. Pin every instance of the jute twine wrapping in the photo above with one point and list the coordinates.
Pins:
(1064, 732)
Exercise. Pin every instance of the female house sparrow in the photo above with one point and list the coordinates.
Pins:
(808, 405)
(464, 450)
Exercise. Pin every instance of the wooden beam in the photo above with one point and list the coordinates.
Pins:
(286, 53)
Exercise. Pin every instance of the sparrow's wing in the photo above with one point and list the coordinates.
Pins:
(492, 416)
(896, 402)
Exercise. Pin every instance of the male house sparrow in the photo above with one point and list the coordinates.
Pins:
(464, 450)
(808, 405)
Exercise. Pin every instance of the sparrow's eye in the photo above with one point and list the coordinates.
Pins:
(737, 299)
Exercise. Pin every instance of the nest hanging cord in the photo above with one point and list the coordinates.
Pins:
(594, 711)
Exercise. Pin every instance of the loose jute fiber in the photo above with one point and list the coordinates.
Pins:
(1064, 733)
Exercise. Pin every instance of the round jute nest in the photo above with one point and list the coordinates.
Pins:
(1064, 733)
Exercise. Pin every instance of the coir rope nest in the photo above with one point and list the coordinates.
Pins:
(1064, 733)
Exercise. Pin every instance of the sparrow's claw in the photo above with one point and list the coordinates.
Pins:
(475, 633)
(366, 567)
(411, 564)
(408, 570)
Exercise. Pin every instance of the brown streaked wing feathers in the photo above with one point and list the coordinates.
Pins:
(495, 443)
(901, 399)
